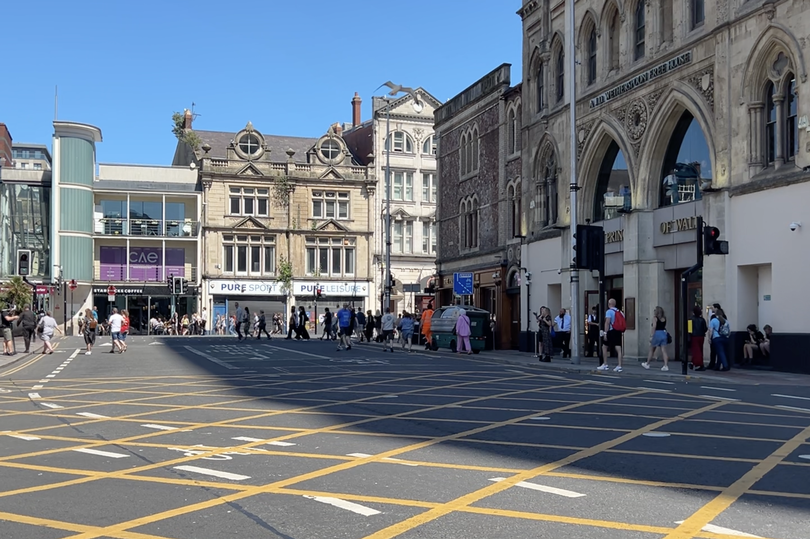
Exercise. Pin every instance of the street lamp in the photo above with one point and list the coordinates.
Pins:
(395, 89)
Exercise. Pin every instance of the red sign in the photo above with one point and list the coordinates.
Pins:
(73, 285)
(111, 290)
(43, 290)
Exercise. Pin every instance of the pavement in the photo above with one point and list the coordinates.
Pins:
(208, 437)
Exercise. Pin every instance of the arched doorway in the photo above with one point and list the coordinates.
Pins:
(687, 165)
(612, 195)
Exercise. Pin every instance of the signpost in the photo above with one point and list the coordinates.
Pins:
(111, 293)
(72, 287)
(463, 284)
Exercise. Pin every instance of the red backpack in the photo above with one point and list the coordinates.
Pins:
(619, 323)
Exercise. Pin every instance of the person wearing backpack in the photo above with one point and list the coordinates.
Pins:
(615, 326)
(721, 330)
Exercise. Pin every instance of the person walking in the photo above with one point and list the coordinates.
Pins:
(406, 326)
(592, 323)
(302, 323)
(47, 326)
(239, 314)
(116, 321)
(28, 322)
(387, 324)
(7, 318)
(545, 346)
(344, 322)
(263, 327)
(659, 338)
(89, 331)
(463, 332)
(697, 338)
(124, 329)
(720, 331)
(615, 326)
(327, 325)
(563, 330)
(361, 324)
(424, 325)
(370, 321)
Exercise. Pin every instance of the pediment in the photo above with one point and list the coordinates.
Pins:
(250, 223)
(400, 213)
(331, 174)
(332, 226)
(249, 170)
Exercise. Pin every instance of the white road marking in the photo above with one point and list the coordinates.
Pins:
(247, 439)
(389, 397)
(91, 415)
(40, 386)
(711, 528)
(154, 343)
(602, 383)
(805, 457)
(660, 382)
(34, 396)
(366, 455)
(296, 352)
(543, 488)
(609, 376)
(656, 434)
(343, 504)
(9, 391)
(783, 407)
(659, 389)
(250, 372)
(790, 397)
(21, 436)
(281, 444)
(516, 372)
(102, 453)
(43, 381)
(336, 388)
(215, 473)
(75, 353)
(158, 427)
(717, 388)
(554, 377)
(720, 398)
(51, 376)
(51, 405)
(540, 418)
(212, 359)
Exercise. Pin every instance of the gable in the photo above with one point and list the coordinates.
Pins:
(332, 226)
(249, 170)
(250, 223)
(331, 174)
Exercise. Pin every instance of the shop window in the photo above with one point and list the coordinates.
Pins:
(687, 163)
(613, 186)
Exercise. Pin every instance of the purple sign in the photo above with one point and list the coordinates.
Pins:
(145, 263)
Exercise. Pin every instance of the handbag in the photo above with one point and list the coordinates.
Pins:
(669, 338)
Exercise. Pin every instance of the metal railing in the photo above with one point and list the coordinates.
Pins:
(111, 226)
(142, 274)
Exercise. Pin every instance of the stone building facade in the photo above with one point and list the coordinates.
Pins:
(275, 205)
(684, 109)
(479, 211)
(414, 186)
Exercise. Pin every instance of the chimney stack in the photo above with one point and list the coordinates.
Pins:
(356, 101)
(187, 119)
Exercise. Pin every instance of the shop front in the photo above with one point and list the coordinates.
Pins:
(266, 296)
(143, 301)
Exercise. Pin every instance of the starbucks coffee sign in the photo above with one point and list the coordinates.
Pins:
(641, 79)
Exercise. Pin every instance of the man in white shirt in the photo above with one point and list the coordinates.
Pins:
(204, 322)
(116, 321)
(563, 329)
(387, 326)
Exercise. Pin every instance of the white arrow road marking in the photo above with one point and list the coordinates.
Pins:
(91, 415)
(717, 388)
(792, 408)
(343, 504)
(51, 405)
(805, 457)
(212, 359)
(711, 528)
(365, 455)
(215, 473)
(34, 396)
(720, 398)
(281, 444)
(102, 453)
(790, 397)
(22, 436)
(296, 352)
(543, 488)
(158, 427)
(247, 439)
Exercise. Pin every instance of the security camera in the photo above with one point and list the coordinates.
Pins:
(528, 275)
(559, 272)
(794, 226)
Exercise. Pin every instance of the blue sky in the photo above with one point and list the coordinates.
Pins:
(289, 67)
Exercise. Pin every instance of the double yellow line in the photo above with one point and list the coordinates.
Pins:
(28, 363)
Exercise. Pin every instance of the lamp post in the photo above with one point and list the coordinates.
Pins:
(61, 281)
(574, 185)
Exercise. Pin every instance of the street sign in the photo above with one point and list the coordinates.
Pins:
(413, 288)
(73, 285)
(463, 284)
(111, 293)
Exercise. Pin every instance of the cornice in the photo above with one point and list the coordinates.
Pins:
(528, 8)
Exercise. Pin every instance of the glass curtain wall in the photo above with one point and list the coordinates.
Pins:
(25, 224)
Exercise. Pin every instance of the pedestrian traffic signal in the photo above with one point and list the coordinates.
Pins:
(318, 293)
(23, 262)
(711, 242)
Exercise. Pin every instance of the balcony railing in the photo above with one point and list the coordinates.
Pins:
(142, 274)
(111, 226)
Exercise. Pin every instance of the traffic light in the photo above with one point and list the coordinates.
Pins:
(590, 248)
(318, 293)
(23, 262)
(170, 283)
(711, 242)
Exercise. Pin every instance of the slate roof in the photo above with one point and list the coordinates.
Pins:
(220, 140)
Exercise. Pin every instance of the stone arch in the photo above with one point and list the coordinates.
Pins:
(589, 23)
(596, 145)
(770, 43)
(609, 11)
(557, 48)
(543, 193)
(678, 98)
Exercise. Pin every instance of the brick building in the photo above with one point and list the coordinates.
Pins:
(479, 199)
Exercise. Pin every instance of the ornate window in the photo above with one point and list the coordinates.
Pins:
(249, 143)
(791, 112)
(429, 187)
(515, 209)
(513, 130)
(640, 29)
(333, 257)
(402, 142)
(428, 237)
(698, 12)
(468, 225)
(249, 255)
(429, 146)
(330, 149)
(592, 56)
(614, 40)
(546, 197)
(770, 123)
(560, 74)
(330, 205)
(249, 201)
(541, 88)
(469, 152)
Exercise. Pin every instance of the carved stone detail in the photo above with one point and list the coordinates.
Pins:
(652, 100)
(703, 82)
(721, 7)
(583, 130)
(635, 121)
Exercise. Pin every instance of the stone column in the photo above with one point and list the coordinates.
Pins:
(755, 111)
(779, 102)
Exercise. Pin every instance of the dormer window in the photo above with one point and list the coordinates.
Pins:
(249, 144)
(330, 150)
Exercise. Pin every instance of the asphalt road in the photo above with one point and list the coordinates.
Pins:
(207, 437)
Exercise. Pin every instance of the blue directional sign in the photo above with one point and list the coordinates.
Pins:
(463, 284)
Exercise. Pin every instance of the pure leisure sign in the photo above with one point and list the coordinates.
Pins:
(642, 79)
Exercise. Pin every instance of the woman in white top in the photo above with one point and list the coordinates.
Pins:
(47, 325)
